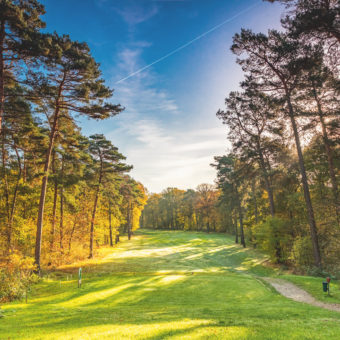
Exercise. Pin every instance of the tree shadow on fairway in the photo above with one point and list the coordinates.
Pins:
(186, 287)
(179, 252)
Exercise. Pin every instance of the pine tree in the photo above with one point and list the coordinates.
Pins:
(71, 82)
(19, 42)
(107, 160)
(276, 64)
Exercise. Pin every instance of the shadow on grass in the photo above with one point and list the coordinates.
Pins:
(191, 283)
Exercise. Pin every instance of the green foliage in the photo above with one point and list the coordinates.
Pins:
(184, 210)
(302, 252)
(273, 236)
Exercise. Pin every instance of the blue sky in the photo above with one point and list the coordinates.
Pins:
(169, 130)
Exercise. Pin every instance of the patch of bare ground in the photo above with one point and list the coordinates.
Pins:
(295, 293)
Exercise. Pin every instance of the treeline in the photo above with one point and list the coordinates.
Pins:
(62, 194)
(176, 209)
(278, 187)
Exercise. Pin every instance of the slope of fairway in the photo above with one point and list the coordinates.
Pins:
(167, 285)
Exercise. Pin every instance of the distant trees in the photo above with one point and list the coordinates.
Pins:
(176, 209)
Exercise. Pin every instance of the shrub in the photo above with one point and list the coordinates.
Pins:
(16, 277)
(302, 252)
(271, 235)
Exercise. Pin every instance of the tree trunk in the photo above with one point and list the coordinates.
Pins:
(61, 225)
(266, 180)
(15, 195)
(236, 230)
(54, 210)
(311, 218)
(95, 209)
(2, 68)
(130, 221)
(240, 213)
(71, 236)
(110, 226)
(253, 188)
(45, 177)
(4, 175)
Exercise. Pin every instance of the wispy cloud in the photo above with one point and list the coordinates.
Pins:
(178, 49)
(163, 156)
(136, 14)
(140, 95)
(163, 153)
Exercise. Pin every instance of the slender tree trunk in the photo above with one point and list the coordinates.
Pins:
(236, 230)
(95, 209)
(45, 177)
(130, 222)
(253, 188)
(4, 175)
(61, 225)
(2, 68)
(240, 213)
(110, 225)
(311, 218)
(71, 236)
(24, 178)
(14, 200)
(269, 188)
(54, 210)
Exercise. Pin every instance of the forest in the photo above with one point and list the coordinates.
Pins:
(62, 194)
(277, 187)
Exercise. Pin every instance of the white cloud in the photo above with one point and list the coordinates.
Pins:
(134, 15)
(165, 157)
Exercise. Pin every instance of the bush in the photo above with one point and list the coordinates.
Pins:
(16, 277)
(302, 252)
(271, 235)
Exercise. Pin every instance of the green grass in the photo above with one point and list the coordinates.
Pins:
(167, 285)
(313, 285)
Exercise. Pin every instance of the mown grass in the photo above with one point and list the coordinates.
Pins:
(313, 285)
(166, 285)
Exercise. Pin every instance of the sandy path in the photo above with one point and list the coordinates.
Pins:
(295, 293)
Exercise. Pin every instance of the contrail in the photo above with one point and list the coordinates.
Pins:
(188, 43)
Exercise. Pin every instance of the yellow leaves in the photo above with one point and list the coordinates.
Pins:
(15, 261)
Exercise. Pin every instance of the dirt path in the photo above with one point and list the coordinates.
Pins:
(295, 293)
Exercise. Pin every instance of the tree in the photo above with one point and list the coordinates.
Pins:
(275, 63)
(229, 180)
(106, 160)
(314, 17)
(72, 83)
(19, 42)
(206, 202)
(250, 117)
(318, 97)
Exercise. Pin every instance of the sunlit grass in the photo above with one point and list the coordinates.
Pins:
(166, 285)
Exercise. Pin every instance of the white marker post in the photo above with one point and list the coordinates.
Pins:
(79, 278)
